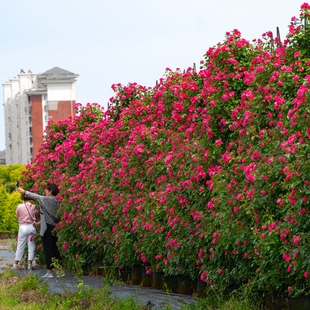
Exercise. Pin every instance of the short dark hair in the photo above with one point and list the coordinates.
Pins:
(25, 197)
(53, 188)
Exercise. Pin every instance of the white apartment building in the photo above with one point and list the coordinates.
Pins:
(30, 102)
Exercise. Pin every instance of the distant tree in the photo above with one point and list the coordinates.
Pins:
(9, 198)
(8, 204)
(9, 175)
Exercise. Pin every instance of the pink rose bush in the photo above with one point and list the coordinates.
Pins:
(205, 174)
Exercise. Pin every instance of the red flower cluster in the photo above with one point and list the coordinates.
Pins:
(205, 174)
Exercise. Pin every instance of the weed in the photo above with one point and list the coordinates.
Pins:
(166, 288)
(8, 273)
(110, 274)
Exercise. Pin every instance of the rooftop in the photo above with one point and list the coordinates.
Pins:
(57, 73)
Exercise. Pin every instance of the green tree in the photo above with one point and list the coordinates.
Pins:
(8, 204)
(9, 198)
(9, 175)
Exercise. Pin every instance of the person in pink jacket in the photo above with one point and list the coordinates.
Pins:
(26, 214)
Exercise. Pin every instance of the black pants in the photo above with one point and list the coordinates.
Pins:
(49, 241)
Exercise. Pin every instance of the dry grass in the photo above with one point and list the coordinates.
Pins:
(32, 297)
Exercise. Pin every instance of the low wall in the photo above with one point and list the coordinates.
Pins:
(7, 235)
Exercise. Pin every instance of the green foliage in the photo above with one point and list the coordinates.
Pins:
(299, 33)
(8, 205)
(9, 175)
(9, 198)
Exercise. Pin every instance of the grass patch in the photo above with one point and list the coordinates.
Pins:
(16, 293)
(31, 293)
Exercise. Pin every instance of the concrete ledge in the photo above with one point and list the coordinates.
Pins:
(7, 235)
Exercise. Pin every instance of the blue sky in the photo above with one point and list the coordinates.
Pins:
(123, 41)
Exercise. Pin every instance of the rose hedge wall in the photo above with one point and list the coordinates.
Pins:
(205, 174)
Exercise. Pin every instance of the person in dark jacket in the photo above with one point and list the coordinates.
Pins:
(49, 210)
